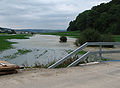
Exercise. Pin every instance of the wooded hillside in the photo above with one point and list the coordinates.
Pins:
(105, 18)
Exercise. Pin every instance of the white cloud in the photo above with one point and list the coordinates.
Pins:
(50, 14)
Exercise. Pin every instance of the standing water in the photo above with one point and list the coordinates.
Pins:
(39, 48)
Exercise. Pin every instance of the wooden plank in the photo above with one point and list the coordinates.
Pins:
(7, 66)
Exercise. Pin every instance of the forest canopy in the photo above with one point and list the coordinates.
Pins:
(104, 18)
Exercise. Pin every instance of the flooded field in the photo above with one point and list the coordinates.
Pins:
(39, 48)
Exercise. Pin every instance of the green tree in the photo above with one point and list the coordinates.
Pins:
(104, 18)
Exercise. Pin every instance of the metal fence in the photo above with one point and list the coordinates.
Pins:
(100, 52)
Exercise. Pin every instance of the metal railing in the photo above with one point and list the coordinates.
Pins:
(100, 52)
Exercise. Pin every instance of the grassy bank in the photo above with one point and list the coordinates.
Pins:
(74, 34)
(5, 44)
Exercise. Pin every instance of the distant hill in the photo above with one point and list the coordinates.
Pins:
(105, 18)
(6, 30)
(41, 30)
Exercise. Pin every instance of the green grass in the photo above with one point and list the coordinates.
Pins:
(106, 59)
(117, 38)
(79, 53)
(3, 33)
(74, 34)
(23, 51)
(5, 44)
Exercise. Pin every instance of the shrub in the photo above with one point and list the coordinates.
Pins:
(107, 38)
(63, 39)
(92, 35)
(89, 35)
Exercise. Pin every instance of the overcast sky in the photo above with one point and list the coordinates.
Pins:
(42, 14)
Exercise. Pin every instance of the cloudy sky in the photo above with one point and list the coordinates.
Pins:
(42, 14)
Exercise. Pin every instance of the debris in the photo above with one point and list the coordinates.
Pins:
(7, 68)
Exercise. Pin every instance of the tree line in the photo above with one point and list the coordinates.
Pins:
(104, 18)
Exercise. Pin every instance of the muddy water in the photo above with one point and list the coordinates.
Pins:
(44, 48)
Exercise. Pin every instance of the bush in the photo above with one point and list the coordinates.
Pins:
(91, 35)
(63, 39)
(107, 38)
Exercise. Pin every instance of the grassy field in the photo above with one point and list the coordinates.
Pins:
(5, 44)
(74, 34)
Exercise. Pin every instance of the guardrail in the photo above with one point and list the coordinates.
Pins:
(100, 52)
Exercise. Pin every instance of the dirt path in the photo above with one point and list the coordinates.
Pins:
(106, 75)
